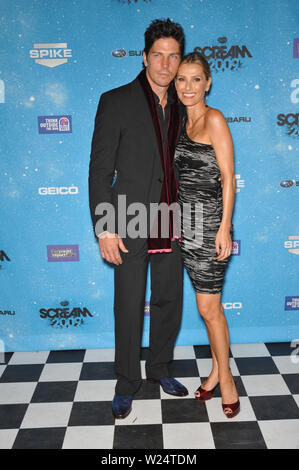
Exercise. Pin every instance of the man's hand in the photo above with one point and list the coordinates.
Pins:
(110, 243)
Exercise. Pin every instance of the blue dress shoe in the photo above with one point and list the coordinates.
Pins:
(122, 406)
(172, 386)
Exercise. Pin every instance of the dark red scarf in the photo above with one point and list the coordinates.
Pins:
(169, 186)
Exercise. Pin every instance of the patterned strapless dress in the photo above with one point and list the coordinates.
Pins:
(200, 201)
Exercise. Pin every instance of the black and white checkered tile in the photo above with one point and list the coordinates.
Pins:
(62, 400)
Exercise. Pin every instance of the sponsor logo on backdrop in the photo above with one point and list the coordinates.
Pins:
(223, 57)
(291, 303)
(51, 54)
(290, 121)
(2, 91)
(288, 183)
(59, 253)
(65, 316)
(232, 305)
(54, 124)
(292, 244)
(135, 53)
(7, 312)
(296, 48)
(120, 53)
(238, 119)
(236, 247)
(240, 183)
(3, 258)
(59, 190)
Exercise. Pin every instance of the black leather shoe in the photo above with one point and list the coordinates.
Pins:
(171, 386)
(122, 406)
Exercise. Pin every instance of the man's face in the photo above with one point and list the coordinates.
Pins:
(162, 61)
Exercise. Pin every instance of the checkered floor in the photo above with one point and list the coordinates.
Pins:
(62, 399)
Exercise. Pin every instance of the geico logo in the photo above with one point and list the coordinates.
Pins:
(291, 244)
(60, 190)
(50, 53)
(289, 119)
(229, 305)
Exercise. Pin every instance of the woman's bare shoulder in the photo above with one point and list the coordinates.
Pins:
(214, 115)
(215, 120)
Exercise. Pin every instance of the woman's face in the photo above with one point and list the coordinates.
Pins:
(191, 84)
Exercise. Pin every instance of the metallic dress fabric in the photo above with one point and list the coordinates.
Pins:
(200, 202)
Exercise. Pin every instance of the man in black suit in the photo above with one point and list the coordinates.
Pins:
(136, 130)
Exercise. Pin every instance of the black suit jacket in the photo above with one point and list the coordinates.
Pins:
(124, 139)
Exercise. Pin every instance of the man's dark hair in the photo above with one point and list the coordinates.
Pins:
(164, 29)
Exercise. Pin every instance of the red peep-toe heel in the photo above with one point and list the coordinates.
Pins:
(233, 408)
(205, 394)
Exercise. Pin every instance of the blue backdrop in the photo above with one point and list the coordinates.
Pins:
(56, 58)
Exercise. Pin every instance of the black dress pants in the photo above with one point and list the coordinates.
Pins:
(165, 314)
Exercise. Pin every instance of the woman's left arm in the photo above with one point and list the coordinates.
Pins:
(221, 140)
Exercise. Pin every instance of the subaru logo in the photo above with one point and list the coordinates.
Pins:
(118, 53)
(287, 183)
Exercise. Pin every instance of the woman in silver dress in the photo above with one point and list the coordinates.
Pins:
(204, 153)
